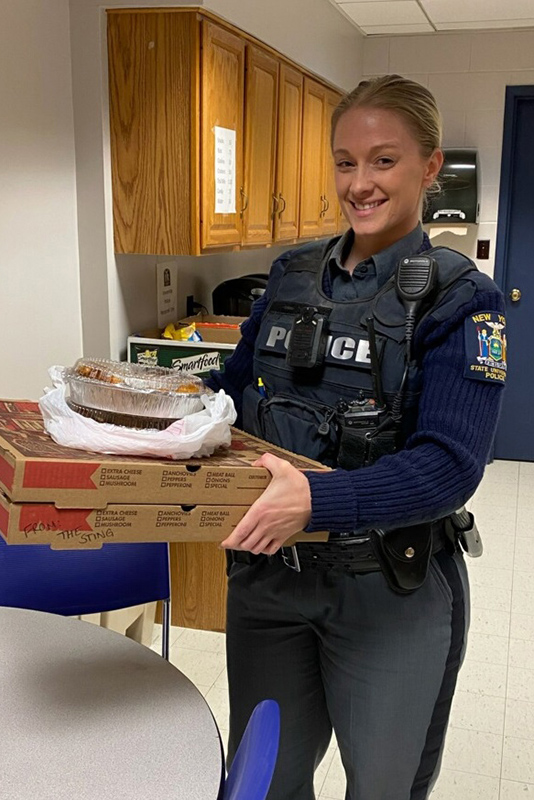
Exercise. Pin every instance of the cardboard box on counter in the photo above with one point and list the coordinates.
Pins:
(70, 498)
(73, 529)
(218, 344)
(212, 327)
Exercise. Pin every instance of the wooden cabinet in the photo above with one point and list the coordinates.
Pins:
(313, 152)
(176, 79)
(198, 580)
(319, 215)
(261, 114)
(222, 101)
(152, 128)
(331, 205)
(288, 158)
(243, 101)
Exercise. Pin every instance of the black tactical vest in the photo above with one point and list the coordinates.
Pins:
(296, 408)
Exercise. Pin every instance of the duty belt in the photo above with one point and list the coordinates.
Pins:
(355, 554)
(402, 555)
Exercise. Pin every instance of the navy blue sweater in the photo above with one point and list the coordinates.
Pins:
(442, 462)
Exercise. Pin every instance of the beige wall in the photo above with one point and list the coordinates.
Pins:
(39, 297)
(467, 73)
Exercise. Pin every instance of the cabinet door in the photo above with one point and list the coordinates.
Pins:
(198, 581)
(261, 108)
(151, 76)
(289, 149)
(331, 205)
(222, 100)
(313, 149)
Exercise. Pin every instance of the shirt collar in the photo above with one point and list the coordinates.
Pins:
(341, 249)
(386, 260)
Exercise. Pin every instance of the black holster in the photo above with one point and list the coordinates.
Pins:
(404, 555)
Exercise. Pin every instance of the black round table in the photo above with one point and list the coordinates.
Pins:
(87, 714)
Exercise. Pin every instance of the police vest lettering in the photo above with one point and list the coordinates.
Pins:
(340, 347)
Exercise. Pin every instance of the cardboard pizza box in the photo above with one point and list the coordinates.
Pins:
(33, 468)
(81, 529)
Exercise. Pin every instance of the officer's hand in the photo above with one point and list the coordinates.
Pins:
(283, 509)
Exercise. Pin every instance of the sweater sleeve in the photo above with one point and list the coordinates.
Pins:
(238, 369)
(443, 461)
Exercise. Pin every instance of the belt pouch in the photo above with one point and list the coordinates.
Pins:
(352, 448)
(357, 449)
(404, 556)
(382, 444)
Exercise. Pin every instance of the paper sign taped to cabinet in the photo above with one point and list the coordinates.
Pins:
(224, 170)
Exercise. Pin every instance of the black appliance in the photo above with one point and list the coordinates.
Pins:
(235, 296)
(459, 177)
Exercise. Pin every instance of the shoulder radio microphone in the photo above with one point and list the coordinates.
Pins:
(415, 279)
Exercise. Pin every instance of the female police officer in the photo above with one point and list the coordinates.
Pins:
(342, 362)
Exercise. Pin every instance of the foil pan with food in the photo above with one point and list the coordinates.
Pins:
(133, 395)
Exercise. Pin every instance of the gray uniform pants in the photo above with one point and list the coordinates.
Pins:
(343, 651)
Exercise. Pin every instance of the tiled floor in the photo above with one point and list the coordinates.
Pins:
(489, 752)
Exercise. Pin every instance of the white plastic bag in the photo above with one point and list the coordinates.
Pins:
(195, 435)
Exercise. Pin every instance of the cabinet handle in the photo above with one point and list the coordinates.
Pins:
(323, 207)
(283, 207)
(327, 201)
(276, 201)
(245, 199)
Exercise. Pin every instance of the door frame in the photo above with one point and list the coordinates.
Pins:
(513, 95)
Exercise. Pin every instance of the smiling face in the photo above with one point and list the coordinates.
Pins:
(381, 175)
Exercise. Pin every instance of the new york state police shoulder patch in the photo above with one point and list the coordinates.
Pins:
(485, 347)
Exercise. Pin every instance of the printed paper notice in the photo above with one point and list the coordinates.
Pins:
(167, 289)
(224, 170)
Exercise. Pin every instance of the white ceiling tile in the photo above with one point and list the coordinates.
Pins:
(481, 25)
(391, 17)
(478, 11)
(384, 12)
(397, 29)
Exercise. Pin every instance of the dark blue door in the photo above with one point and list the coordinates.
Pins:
(514, 272)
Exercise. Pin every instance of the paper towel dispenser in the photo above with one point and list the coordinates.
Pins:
(458, 200)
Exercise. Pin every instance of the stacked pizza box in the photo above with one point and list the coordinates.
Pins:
(71, 499)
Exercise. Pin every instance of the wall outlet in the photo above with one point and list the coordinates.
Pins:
(483, 248)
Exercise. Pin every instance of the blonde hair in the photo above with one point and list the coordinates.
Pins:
(410, 100)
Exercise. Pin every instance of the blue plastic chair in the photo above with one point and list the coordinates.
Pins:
(252, 769)
(76, 582)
